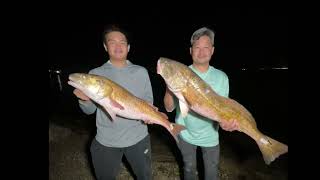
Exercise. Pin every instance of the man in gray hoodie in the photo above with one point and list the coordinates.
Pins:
(121, 136)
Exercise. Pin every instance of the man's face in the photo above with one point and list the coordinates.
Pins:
(116, 45)
(202, 50)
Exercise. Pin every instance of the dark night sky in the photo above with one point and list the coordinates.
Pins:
(245, 38)
(250, 37)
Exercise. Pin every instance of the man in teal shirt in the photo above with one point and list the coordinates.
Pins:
(200, 131)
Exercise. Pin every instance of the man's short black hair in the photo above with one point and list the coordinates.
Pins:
(114, 27)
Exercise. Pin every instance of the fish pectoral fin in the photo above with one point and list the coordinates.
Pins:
(184, 108)
(111, 113)
(116, 104)
(183, 104)
(105, 103)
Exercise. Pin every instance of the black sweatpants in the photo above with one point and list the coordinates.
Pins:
(107, 160)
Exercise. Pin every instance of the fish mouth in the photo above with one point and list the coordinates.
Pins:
(74, 84)
(74, 76)
(73, 80)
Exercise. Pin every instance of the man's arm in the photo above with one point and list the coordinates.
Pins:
(148, 94)
(169, 100)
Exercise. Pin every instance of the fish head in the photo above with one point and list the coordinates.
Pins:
(165, 67)
(94, 86)
(171, 71)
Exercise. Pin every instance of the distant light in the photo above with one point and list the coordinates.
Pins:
(273, 68)
(281, 68)
(276, 68)
(56, 71)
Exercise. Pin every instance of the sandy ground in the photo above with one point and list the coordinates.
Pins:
(69, 157)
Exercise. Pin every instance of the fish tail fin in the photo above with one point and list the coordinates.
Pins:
(175, 129)
(271, 149)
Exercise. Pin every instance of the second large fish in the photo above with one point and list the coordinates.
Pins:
(195, 94)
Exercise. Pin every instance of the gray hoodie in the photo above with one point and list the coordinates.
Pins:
(121, 132)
